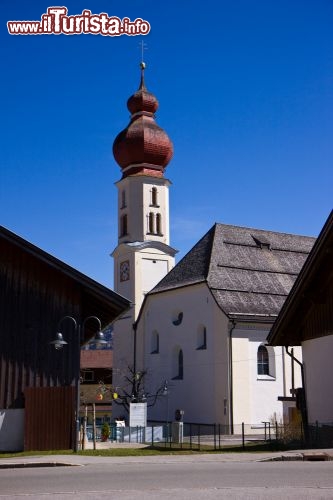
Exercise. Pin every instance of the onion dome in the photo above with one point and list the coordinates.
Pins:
(143, 147)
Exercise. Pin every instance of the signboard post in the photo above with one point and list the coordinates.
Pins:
(138, 415)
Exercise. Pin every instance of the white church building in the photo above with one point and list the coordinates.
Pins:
(197, 329)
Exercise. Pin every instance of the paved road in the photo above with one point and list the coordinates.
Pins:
(178, 478)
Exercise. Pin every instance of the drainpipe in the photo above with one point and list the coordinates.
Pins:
(231, 326)
(304, 408)
(135, 326)
(284, 372)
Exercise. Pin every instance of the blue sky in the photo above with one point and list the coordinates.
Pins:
(246, 95)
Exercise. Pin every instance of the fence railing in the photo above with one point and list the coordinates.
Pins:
(216, 437)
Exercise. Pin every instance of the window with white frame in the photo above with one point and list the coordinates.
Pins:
(262, 360)
(266, 369)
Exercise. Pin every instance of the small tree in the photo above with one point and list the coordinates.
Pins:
(133, 390)
(105, 432)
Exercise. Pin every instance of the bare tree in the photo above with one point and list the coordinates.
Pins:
(133, 390)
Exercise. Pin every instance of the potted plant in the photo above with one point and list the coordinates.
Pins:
(105, 431)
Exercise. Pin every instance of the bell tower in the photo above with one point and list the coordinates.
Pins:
(143, 255)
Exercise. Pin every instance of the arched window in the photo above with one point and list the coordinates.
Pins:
(178, 363)
(154, 196)
(262, 360)
(151, 223)
(155, 343)
(123, 225)
(158, 224)
(202, 337)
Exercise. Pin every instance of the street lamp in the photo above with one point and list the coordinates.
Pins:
(59, 343)
(165, 392)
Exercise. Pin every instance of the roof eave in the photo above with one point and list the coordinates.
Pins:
(283, 331)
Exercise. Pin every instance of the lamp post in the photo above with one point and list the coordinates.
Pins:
(165, 392)
(59, 343)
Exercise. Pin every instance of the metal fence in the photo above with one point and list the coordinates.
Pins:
(195, 436)
(216, 437)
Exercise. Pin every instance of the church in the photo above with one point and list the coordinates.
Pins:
(197, 329)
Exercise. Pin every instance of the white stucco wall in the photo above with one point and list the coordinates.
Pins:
(123, 356)
(204, 392)
(255, 397)
(147, 266)
(204, 388)
(138, 204)
(318, 369)
(12, 430)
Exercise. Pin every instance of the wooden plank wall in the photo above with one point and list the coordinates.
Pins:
(49, 418)
(33, 297)
(319, 320)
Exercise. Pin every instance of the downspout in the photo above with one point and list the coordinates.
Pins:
(135, 326)
(232, 325)
(284, 372)
(304, 409)
(134, 379)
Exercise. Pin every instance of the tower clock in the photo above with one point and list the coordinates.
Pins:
(124, 270)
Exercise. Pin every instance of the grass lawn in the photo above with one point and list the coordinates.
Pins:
(157, 450)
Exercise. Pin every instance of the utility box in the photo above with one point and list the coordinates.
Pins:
(179, 415)
(177, 432)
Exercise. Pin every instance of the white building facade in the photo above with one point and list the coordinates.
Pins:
(203, 330)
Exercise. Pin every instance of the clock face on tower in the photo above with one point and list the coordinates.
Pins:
(124, 270)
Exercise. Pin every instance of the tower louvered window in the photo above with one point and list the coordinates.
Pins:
(123, 225)
(154, 197)
(123, 199)
(151, 221)
(158, 224)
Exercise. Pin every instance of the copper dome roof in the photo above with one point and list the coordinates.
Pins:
(143, 146)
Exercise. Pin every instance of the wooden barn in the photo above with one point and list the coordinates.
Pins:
(37, 382)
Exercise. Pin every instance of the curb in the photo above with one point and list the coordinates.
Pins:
(301, 457)
(22, 465)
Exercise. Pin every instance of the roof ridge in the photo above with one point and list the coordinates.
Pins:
(250, 228)
(238, 278)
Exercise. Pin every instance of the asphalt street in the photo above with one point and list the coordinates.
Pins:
(164, 477)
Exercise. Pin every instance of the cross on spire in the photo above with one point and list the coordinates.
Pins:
(142, 65)
(143, 46)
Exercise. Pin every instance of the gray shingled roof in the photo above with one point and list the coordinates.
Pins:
(249, 271)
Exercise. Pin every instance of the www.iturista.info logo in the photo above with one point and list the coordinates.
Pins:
(56, 22)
